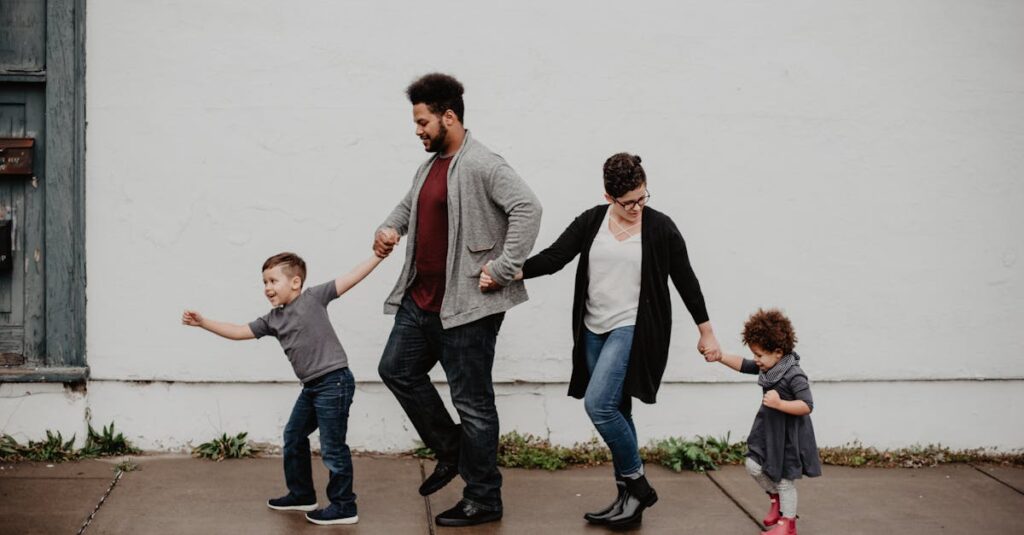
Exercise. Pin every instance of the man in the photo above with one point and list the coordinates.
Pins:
(467, 211)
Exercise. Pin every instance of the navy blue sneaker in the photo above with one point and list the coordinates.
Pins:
(330, 515)
(291, 503)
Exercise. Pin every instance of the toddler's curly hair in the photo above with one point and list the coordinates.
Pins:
(770, 330)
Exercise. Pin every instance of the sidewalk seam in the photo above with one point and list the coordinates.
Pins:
(1011, 487)
(426, 502)
(734, 501)
(101, 502)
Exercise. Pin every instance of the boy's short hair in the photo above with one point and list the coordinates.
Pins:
(292, 265)
(770, 330)
(440, 92)
(623, 174)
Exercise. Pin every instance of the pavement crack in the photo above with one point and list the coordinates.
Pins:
(1011, 487)
(734, 501)
(100, 504)
(426, 501)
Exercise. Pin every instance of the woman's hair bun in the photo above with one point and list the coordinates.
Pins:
(636, 159)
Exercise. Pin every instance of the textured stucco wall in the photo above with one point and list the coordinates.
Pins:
(855, 163)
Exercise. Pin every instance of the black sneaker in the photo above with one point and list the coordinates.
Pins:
(291, 503)
(330, 515)
(466, 514)
(443, 474)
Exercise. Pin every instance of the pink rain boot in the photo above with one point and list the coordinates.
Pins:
(785, 526)
(772, 517)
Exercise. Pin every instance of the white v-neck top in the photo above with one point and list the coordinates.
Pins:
(614, 291)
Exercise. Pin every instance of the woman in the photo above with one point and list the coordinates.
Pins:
(622, 317)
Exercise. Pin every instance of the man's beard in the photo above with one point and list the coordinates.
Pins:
(437, 143)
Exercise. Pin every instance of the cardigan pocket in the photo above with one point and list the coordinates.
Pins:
(478, 256)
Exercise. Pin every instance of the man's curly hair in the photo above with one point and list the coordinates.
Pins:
(770, 330)
(623, 174)
(440, 92)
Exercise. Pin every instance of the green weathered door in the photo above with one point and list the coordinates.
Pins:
(22, 198)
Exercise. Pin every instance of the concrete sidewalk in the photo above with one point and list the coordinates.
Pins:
(177, 494)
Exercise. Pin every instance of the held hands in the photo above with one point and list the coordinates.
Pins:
(487, 283)
(708, 346)
(772, 399)
(712, 358)
(191, 318)
(384, 242)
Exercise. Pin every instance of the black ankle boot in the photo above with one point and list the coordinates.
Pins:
(602, 516)
(639, 496)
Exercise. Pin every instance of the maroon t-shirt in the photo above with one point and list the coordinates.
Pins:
(432, 238)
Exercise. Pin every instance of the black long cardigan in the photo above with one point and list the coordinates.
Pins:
(663, 256)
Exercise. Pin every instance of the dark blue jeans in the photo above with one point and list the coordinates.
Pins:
(607, 360)
(466, 353)
(324, 402)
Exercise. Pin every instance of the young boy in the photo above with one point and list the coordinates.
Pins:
(300, 323)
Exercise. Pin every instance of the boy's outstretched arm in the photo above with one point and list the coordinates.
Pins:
(345, 282)
(231, 331)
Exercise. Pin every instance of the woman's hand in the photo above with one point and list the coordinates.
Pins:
(772, 399)
(708, 346)
(487, 283)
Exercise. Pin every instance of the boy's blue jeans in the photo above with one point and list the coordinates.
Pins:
(607, 360)
(466, 352)
(324, 402)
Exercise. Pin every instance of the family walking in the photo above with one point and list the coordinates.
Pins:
(469, 224)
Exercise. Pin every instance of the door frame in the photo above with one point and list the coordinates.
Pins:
(64, 239)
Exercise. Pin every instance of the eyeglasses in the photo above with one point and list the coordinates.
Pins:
(641, 202)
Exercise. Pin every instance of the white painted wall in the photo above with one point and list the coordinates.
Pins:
(855, 163)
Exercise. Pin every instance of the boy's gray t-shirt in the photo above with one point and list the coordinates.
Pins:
(305, 332)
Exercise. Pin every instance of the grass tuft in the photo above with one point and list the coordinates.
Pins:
(856, 455)
(126, 466)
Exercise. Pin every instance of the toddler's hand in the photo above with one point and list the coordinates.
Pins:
(710, 355)
(191, 318)
(771, 399)
(713, 357)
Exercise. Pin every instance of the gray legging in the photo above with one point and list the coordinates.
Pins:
(784, 488)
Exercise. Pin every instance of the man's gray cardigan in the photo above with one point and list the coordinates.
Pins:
(492, 216)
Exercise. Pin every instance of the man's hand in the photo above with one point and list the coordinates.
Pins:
(772, 399)
(487, 283)
(384, 242)
(192, 318)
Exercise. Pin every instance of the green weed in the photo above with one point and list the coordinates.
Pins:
(107, 443)
(699, 455)
(225, 447)
(52, 450)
